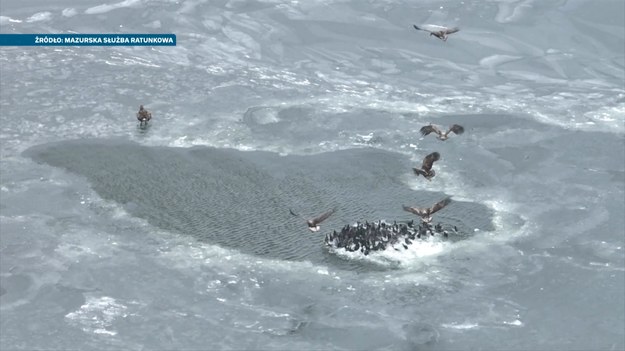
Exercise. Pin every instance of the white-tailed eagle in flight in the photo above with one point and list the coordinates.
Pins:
(456, 128)
(426, 213)
(313, 224)
(440, 32)
(426, 167)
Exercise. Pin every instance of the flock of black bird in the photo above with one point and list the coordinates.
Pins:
(377, 236)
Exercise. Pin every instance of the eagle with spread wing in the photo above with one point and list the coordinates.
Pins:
(313, 224)
(441, 32)
(426, 213)
(456, 128)
(426, 167)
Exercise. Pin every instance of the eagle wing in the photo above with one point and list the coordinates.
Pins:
(429, 160)
(439, 205)
(451, 30)
(419, 171)
(456, 128)
(415, 210)
(425, 130)
(296, 215)
(323, 217)
(419, 28)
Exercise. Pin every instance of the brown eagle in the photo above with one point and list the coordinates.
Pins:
(440, 33)
(313, 224)
(426, 167)
(143, 115)
(456, 128)
(426, 213)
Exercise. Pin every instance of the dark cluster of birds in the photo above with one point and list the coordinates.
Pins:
(378, 236)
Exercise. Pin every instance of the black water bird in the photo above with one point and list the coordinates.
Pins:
(378, 236)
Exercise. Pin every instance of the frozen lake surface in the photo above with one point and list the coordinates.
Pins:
(178, 236)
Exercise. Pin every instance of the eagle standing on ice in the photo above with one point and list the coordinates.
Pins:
(143, 115)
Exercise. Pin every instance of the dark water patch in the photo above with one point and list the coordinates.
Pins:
(242, 199)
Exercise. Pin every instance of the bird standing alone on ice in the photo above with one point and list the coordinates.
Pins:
(143, 115)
